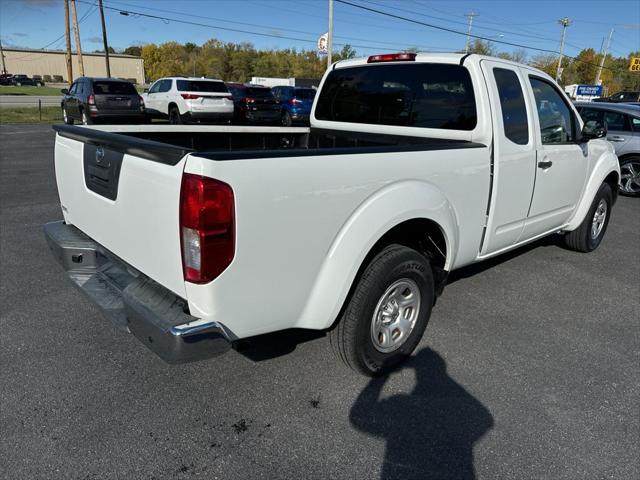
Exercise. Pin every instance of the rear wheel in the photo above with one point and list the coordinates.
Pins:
(174, 116)
(286, 119)
(387, 313)
(630, 176)
(65, 116)
(85, 118)
(589, 234)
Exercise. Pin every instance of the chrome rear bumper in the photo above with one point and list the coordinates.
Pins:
(135, 303)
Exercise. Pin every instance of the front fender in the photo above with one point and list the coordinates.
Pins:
(605, 163)
(379, 213)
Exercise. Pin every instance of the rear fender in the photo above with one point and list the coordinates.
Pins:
(606, 163)
(377, 215)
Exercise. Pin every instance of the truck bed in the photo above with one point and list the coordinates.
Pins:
(169, 144)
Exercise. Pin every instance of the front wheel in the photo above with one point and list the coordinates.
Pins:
(630, 176)
(387, 312)
(589, 234)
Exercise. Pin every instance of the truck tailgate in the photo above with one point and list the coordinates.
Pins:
(125, 197)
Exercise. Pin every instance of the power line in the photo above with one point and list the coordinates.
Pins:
(457, 32)
(270, 27)
(237, 30)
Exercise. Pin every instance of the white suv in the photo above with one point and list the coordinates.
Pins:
(182, 99)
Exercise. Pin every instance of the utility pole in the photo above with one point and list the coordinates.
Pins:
(330, 34)
(76, 31)
(565, 22)
(604, 56)
(470, 17)
(104, 39)
(67, 34)
(4, 68)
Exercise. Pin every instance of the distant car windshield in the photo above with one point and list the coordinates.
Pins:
(305, 93)
(114, 88)
(201, 86)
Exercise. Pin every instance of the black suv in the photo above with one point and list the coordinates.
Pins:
(90, 100)
(254, 104)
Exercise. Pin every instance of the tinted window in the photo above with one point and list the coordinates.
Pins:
(73, 89)
(617, 121)
(556, 121)
(591, 114)
(155, 87)
(417, 95)
(259, 92)
(514, 110)
(201, 86)
(236, 92)
(308, 93)
(113, 88)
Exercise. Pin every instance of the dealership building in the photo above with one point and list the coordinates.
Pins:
(53, 64)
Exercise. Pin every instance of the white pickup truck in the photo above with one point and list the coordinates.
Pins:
(193, 238)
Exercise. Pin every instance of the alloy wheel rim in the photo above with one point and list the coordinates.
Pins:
(599, 218)
(395, 315)
(630, 177)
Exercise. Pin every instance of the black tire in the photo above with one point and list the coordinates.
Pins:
(353, 337)
(174, 116)
(286, 119)
(582, 239)
(84, 118)
(629, 176)
(65, 116)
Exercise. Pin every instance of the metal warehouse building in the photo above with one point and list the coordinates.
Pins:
(50, 62)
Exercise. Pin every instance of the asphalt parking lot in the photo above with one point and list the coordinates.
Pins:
(530, 368)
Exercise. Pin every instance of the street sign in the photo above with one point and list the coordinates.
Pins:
(634, 66)
(590, 90)
(322, 43)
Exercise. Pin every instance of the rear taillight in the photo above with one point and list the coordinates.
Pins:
(207, 227)
(249, 100)
(294, 101)
(392, 57)
(190, 96)
(141, 102)
(91, 100)
(93, 109)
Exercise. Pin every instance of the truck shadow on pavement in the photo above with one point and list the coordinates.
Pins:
(430, 432)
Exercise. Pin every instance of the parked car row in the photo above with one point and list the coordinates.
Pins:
(186, 100)
(20, 80)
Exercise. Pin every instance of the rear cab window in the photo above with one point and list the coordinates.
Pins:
(427, 95)
(113, 88)
(259, 92)
(201, 86)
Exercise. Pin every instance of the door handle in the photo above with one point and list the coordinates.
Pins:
(616, 138)
(546, 164)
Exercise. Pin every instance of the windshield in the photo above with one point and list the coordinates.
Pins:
(114, 88)
(201, 86)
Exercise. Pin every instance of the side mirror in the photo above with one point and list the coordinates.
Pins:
(146, 90)
(65, 90)
(593, 129)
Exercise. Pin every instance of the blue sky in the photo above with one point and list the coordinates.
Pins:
(40, 23)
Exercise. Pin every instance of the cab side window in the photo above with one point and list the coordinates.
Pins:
(73, 89)
(556, 120)
(514, 110)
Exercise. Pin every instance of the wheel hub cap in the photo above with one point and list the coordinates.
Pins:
(395, 315)
(599, 218)
(630, 177)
